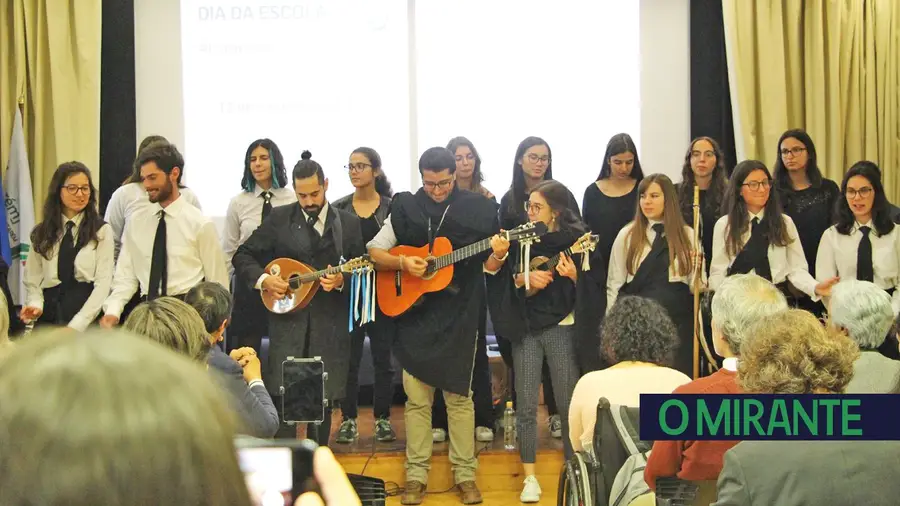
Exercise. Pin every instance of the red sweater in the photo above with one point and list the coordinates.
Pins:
(693, 460)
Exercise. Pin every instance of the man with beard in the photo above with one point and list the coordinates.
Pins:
(435, 340)
(319, 235)
(167, 247)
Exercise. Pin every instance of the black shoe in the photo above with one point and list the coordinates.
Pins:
(348, 432)
(384, 432)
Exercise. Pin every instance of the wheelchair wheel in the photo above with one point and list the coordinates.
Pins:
(576, 483)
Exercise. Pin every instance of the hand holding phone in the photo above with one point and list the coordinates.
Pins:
(336, 488)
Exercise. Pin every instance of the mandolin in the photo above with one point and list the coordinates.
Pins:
(398, 291)
(303, 281)
(584, 244)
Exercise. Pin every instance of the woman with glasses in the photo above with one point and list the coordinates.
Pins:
(864, 243)
(807, 197)
(654, 257)
(468, 166)
(532, 164)
(371, 202)
(264, 185)
(755, 236)
(70, 273)
(540, 318)
(609, 203)
(131, 196)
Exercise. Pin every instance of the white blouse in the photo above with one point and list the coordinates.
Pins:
(244, 216)
(618, 263)
(93, 264)
(837, 257)
(785, 262)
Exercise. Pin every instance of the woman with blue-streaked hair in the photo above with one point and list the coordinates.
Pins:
(264, 185)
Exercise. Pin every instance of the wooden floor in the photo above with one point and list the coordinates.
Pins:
(499, 473)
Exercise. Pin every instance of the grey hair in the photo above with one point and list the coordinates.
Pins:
(106, 418)
(638, 329)
(741, 301)
(863, 310)
(212, 302)
(173, 324)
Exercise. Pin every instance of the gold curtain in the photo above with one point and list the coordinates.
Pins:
(831, 67)
(51, 52)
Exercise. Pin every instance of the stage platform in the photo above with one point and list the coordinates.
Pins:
(499, 472)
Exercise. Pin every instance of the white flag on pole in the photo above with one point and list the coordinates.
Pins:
(19, 209)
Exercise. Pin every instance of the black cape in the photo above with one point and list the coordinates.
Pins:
(514, 315)
(435, 339)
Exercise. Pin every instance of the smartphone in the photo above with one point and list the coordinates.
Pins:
(277, 472)
(303, 390)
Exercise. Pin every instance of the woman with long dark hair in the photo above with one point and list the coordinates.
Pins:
(755, 236)
(264, 186)
(654, 257)
(70, 273)
(132, 196)
(609, 203)
(468, 166)
(704, 166)
(532, 164)
(805, 195)
(371, 202)
(540, 320)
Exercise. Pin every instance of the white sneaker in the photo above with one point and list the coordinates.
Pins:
(484, 434)
(438, 435)
(531, 492)
(556, 426)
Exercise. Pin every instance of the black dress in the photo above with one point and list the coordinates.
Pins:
(812, 210)
(606, 215)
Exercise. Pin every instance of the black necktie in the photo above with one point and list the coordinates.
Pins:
(159, 261)
(65, 263)
(267, 205)
(311, 221)
(659, 240)
(864, 270)
(753, 227)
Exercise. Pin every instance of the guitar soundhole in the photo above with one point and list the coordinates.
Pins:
(430, 271)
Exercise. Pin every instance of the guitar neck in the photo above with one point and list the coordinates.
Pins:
(554, 260)
(295, 282)
(462, 254)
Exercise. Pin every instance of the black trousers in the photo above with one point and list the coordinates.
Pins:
(249, 319)
(383, 391)
(549, 397)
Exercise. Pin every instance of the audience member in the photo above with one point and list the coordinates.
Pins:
(178, 326)
(863, 311)
(741, 300)
(105, 419)
(792, 353)
(638, 337)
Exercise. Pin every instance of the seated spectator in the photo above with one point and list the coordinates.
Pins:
(863, 311)
(639, 338)
(740, 301)
(792, 353)
(107, 419)
(177, 325)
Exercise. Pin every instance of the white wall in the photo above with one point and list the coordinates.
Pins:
(664, 91)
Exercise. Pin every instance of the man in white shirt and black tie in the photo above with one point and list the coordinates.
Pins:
(182, 245)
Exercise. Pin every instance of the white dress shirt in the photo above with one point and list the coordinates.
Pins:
(244, 216)
(787, 263)
(618, 275)
(93, 264)
(129, 198)
(837, 257)
(192, 246)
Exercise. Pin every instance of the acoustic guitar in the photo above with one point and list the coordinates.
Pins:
(584, 244)
(303, 281)
(398, 291)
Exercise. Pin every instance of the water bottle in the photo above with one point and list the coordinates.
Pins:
(509, 427)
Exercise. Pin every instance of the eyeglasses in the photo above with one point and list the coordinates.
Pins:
(532, 208)
(533, 158)
(863, 192)
(792, 152)
(74, 189)
(357, 167)
(440, 185)
(757, 185)
(470, 157)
